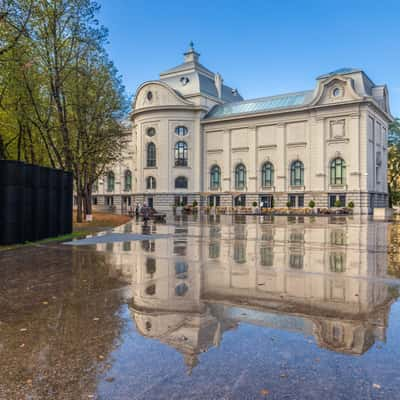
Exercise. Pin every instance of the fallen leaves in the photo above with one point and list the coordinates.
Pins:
(376, 386)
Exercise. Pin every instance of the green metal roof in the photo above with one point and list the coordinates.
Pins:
(263, 104)
(340, 71)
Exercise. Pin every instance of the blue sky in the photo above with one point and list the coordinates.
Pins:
(261, 47)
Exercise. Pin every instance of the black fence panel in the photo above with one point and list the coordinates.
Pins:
(35, 202)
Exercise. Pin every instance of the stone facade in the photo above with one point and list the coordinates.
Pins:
(328, 144)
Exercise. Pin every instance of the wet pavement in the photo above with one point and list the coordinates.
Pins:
(206, 307)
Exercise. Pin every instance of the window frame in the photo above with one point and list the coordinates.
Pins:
(151, 183)
(240, 177)
(297, 173)
(181, 131)
(181, 179)
(127, 182)
(215, 184)
(110, 181)
(266, 168)
(151, 155)
(181, 151)
(337, 165)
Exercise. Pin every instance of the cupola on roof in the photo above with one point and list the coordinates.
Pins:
(191, 78)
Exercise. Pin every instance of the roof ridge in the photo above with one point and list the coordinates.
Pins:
(282, 101)
(270, 97)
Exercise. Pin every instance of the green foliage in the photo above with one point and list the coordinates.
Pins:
(338, 203)
(394, 163)
(61, 98)
(351, 204)
(195, 204)
(311, 204)
(288, 204)
(394, 133)
(254, 204)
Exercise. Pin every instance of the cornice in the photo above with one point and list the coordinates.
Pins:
(171, 107)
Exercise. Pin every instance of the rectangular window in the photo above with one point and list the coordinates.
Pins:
(296, 261)
(300, 201)
(292, 201)
(337, 200)
(110, 201)
(266, 201)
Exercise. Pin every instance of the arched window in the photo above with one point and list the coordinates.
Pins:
(150, 265)
(181, 289)
(151, 155)
(297, 173)
(181, 130)
(239, 251)
(150, 182)
(267, 175)
(181, 154)
(240, 176)
(215, 177)
(338, 172)
(337, 262)
(110, 181)
(181, 182)
(127, 181)
(181, 270)
(267, 256)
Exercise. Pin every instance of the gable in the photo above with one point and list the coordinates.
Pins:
(153, 94)
(335, 90)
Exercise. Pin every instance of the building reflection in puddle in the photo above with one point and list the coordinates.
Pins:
(322, 277)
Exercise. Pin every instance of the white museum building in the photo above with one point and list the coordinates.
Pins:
(195, 138)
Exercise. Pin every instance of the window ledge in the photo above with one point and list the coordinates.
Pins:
(155, 167)
(299, 188)
(343, 187)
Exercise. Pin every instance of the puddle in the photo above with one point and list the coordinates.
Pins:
(215, 307)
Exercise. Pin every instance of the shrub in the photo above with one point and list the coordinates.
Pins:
(195, 204)
(254, 204)
(311, 204)
(288, 204)
(351, 204)
(338, 203)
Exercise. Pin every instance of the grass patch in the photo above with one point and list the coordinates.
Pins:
(100, 221)
(61, 238)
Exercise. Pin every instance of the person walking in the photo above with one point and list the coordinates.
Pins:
(145, 212)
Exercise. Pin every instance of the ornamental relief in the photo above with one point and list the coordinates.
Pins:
(337, 128)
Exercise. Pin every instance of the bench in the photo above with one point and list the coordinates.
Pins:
(157, 217)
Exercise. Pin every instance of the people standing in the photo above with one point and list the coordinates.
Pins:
(145, 211)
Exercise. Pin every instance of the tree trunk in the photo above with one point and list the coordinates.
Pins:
(79, 210)
(79, 192)
(2, 149)
(88, 201)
